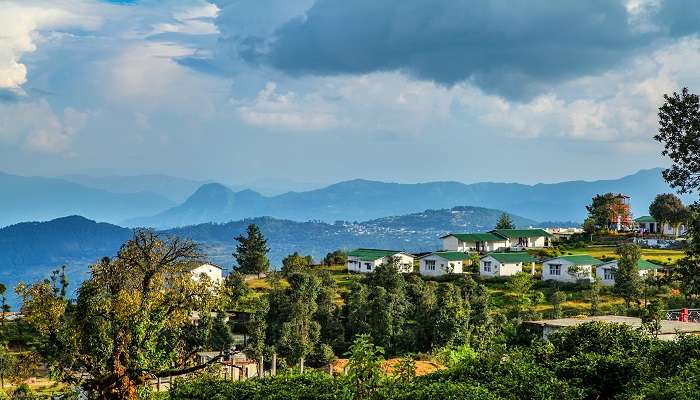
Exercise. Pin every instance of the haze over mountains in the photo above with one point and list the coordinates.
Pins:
(360, 200)
(152, 200)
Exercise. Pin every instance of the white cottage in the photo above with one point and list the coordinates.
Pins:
(524, 238)
(569, 268)
(442, 263)
(505, 264)
(367, 260)
(648, 224)
(214, 272)
(481, 242)
(606, 271)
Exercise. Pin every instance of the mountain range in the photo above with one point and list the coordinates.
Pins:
(360, 200)
(161, 201)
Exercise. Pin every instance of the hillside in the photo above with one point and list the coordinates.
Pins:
(361, 200)
(31, 250)
(26, 198)
(173, 188)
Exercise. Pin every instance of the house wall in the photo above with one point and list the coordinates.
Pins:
(355, 264)
(442, 266)
(600, 273)
(498, 268)
(451, 243)
(566, 276)
(214, 273)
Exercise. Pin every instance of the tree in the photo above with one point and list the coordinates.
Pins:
(337, 257)
(628, 284)
(450, 319)
(519, 286)
(7, 365)
(504, 222)
(679, 132)
(594, 295)
(301, 333)
(256, 328)
(557, 298)
(251, 252)
(602, 210)
(4, 307)
(668, 208)
(220, 336)
(129, 322)
(236, 288)
(652, 316)
(364, 369)
(295, 263)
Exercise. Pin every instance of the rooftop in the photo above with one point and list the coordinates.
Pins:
(512, 257)
(372, 254)
(645, 218)
(521, 233)
(450, 255)
(582, 259)
(667, 327)
(642, 264)
(476, 237)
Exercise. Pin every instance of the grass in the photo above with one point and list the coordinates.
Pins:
(658, 255)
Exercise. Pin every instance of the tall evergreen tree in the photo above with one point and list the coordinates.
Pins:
(300, 334)
(251, 252)
(505, 222)
(628, 284)
(450, 320)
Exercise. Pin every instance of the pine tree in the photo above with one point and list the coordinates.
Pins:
(251, 252)
(505, 222)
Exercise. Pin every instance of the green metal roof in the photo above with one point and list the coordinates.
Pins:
(449, 255)
(643, 265)
(583, 259)
(372, 254)
(521, 233)
(645, 218)
(476, 237)
(512, 257)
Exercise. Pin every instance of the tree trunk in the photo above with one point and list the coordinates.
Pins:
(274, 364)
(301, 366)
(261, 369)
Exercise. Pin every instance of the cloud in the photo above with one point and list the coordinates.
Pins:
(21, 24)
(34, 126)
(513, 49)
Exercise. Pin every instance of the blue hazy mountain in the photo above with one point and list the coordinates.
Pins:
(25, 198)
(360, 200)
(173, 188)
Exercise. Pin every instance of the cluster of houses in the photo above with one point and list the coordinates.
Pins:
(502, 253)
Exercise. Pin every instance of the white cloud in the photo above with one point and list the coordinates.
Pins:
(34, 126)
(193, 20)
(21, 24)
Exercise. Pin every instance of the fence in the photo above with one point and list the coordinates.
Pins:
(683, 315)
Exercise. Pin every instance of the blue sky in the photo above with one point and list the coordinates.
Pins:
(327, 90)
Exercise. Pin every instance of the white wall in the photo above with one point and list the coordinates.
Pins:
(450, 243)
(566, 276)
(442, 266)
(214, 273)
(498, 268)
(600, 273)
(355, 264)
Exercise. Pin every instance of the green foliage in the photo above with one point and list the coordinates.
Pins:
(236, 289)
(251, 252)
(364, 372)
(505, 222)
(557, 298)
(668, 208)
(628, 283)
(601, 211)
(337, 257)
(679, 132)
(295, 263)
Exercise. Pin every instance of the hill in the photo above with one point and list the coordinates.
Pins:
(27, 198)
(360, 200)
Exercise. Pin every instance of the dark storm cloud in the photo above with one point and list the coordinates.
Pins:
(511, 48)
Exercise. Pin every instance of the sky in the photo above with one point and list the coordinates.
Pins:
(319, 91)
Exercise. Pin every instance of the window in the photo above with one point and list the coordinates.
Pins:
(555, 269)
(368, 266)
(608, 274)
(430, 265)
(487, 266)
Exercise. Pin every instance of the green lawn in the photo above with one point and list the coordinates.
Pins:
(658, 255)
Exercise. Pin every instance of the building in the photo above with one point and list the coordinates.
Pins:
(367, 260)
(649, 225)
(524, 238)
(497, 239)
(505, 264)
(442, 263)
(465, 242)
(669, 329)
(606, 271)
(570, 269)
(620, 213)
(214, 272)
